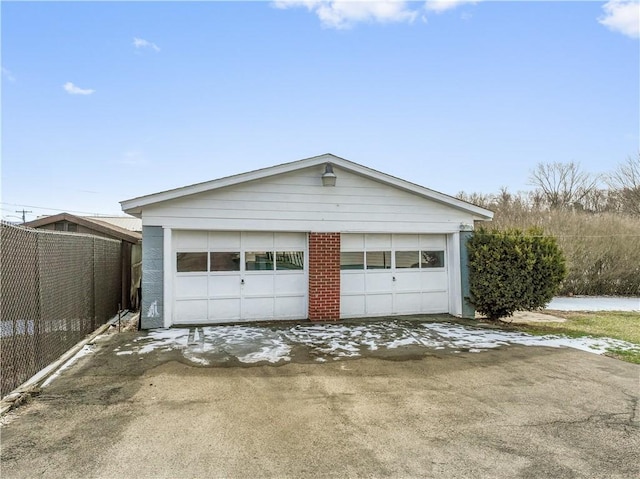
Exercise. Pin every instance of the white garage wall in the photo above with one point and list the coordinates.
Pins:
(297, 201)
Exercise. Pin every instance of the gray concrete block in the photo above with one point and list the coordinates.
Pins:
(151, 323)
(152, 294)
(152, 308)
(468, 310)
(153, 241)
(152, 231)
(150, 252)
(152, 276)
(153, 265)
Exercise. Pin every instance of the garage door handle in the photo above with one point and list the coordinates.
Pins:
(242, 281)
(394, 278)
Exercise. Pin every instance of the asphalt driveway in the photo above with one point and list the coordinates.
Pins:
(180, 405)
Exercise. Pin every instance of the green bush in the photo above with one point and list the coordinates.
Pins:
(513, 270)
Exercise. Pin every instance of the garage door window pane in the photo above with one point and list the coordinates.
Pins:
(432, 259)
(407, 259)
(191, 262)
(352, 260)
(258, 260)
(222, 261)
(289, 260)
(378, 259)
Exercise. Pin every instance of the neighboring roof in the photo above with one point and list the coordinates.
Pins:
(134, 206)
(94, 224)
(129, 223)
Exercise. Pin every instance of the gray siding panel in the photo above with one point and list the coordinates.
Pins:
(152, 306)
(468, 310)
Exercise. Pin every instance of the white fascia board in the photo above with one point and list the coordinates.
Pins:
(134, 206)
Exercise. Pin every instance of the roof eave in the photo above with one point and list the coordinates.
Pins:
(128, 236)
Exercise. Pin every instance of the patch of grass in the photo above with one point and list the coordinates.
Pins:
(628, 356)
(612, 324)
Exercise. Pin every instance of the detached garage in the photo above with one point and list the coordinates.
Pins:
(321, 239)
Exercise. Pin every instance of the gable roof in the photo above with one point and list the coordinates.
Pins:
(92, 223)
(135, 206)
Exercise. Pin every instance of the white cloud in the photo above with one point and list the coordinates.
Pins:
(8, 75)
(343, 14)
(71, 89)
(622, 16)
(439, 6)
(142, 43)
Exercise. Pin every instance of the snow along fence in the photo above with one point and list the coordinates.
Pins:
(55, 288)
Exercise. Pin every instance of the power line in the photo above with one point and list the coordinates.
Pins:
(24, 214)
(52, 209)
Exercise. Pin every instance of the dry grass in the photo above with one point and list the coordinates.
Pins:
(602, 250)
(611, 324)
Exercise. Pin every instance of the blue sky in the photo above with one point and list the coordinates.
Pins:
(103, 102)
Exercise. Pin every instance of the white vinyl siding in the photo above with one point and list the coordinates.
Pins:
(297, 201)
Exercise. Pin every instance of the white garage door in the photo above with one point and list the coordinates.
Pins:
(385, 274)
(234, 276)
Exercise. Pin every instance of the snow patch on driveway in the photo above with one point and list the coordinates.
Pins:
(86, 350)
(464, 337)
(272, 344)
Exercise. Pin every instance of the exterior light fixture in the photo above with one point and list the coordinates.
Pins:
(328, 177)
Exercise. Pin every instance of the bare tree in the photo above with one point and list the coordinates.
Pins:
(563, 185)
(478, 199)
(602, 200)
(625, 181)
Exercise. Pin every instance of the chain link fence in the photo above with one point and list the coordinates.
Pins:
(55, 288)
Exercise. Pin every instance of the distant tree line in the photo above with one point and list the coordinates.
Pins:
(595, 218)
(567, 187)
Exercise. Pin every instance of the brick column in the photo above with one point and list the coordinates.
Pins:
(324, 276)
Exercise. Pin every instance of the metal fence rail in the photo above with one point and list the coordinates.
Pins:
(55, 288)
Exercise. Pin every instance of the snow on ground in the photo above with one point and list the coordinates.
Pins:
(86, 349)
(272, 344)
(595, 303)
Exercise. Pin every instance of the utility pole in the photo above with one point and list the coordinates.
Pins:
(24, 213)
